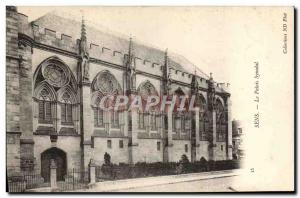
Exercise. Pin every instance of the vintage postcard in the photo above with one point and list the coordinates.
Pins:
(149, 99)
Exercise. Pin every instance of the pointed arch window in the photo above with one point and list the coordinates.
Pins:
(54, 97)
(142, 120)
(221, 121)
(204, 126)
(98, 117)
(114, 116)
(45, 107)
(66, 109)
(203, 118)
(98, 114)
(221, 128)
(186, 126)
(178, 122)
(105, 84)
(155, 120)
(147, 120)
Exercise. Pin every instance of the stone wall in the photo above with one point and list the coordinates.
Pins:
(178, 149)
(221, 151)
(203, 150)
(12, 153)
(12, 72)
(25, 43)
(117, 154)
(12, 91)
(147, 151)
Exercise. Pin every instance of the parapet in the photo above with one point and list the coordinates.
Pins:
(181, 76)
(187, 78)
(55, 39)
(117, 57)
(106, 54)
(223, 87)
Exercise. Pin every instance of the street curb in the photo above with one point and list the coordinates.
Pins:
(110, 186)
(172, 183)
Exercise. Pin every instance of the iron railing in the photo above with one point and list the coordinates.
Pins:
(30, 180)
(74, 179)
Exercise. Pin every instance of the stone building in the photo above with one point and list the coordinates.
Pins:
(57, 70)
(237, 139)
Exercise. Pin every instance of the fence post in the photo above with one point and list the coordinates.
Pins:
(53, 183)
(92, 172)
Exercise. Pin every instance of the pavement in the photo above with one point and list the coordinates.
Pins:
(150, 183)
(220, 184)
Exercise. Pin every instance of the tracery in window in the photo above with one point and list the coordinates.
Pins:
(98, 113)
(45, 107)
(204, 126)
(54, 88)
(105, 84)
(115, 120)
(66, 109)
(180, 96)
(178, 122)
(203, 118)
(148, 119)
(221, 121)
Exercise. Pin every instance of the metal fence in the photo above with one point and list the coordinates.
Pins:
(16, 184)
(25, 181)
(74, 179)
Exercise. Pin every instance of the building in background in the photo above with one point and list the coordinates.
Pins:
(237, 139)
(57, 71)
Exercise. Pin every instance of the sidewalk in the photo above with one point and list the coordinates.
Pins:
(109, 186)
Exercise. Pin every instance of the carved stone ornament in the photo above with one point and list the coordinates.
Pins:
(107, 84)
(86, 68)
(55, 75)
(147, 89)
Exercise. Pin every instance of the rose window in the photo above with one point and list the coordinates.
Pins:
(55, 75)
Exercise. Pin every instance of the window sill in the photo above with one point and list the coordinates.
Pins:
(45, 122)
(67, 123)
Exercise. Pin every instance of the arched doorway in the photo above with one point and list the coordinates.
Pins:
(59, 157)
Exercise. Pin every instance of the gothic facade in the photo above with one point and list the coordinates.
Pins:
(57, 71)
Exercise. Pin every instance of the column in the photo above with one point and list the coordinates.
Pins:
(133, 145)
(169, 135)
(197, 135)
(53, 177)
(35, 115)
(87, 124)
(58, 117)
(214, 140)
(92, 172)
(76, 118)
(229, 135)
(125, 121)
(164, 134)
(25, 69)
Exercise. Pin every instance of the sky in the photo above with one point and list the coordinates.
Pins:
(205, 36)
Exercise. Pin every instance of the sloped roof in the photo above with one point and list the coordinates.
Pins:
(116, 41)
